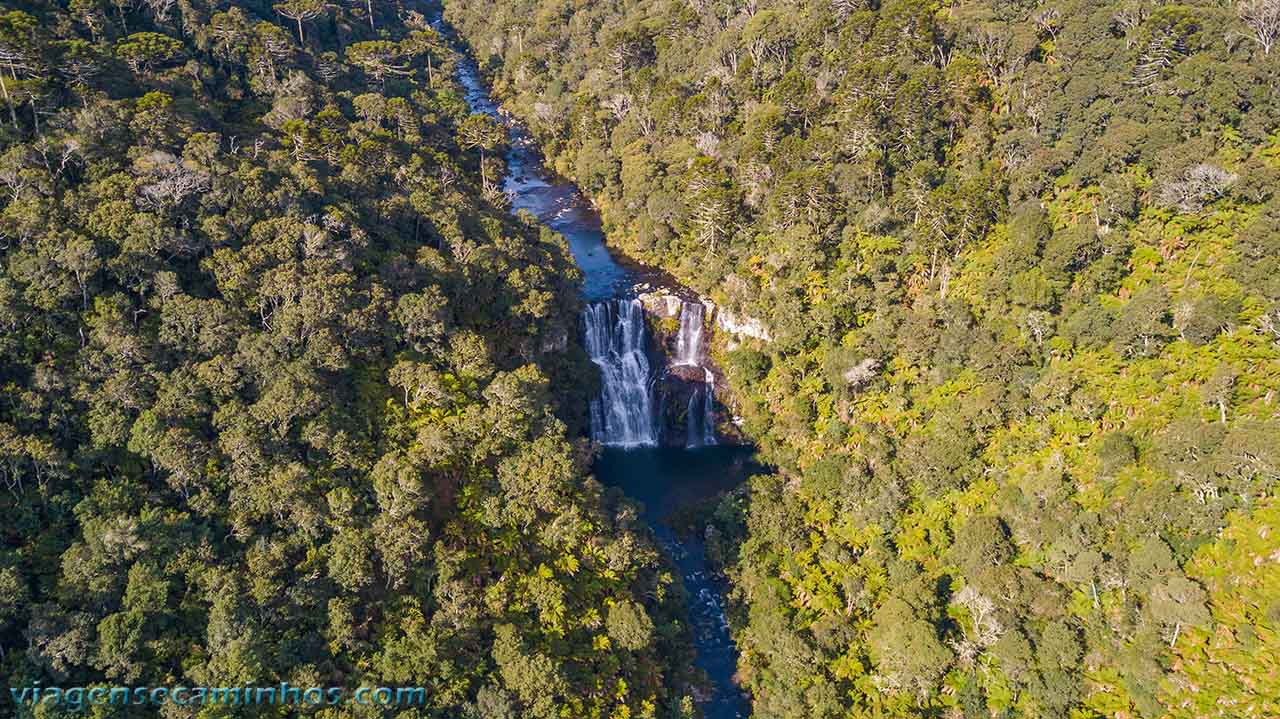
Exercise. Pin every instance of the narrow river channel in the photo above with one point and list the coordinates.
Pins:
(663, 479)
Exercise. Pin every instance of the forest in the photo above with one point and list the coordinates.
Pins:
(286, 394)
(1018, 262)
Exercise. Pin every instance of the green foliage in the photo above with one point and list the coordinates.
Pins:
(629, 625)
(143, 51)
(276, 378)
(1017, 265)
(1224, 666)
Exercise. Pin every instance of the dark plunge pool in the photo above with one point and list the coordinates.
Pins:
(665, 480)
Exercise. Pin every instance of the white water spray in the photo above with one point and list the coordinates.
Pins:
(689, 339)
(622, 416)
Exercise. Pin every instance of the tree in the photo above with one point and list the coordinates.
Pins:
(122, 7)
(424, 317)
(379, 59)
(160, 9)
(531, 675)
(300, 11)
(1178, 603)
(905, 648)
(368, 7)
(119, 645)
(483, 133)
(711, 202)
(271, 45)
(1115, 451)
(1198, 186)
(89, 14)
(1219, 388)
(1263, 18)
(493, 703)
(17, 30)
(15, 599)
(1258, 248)
(629, 625)
(79, 63)
(1143, 325)
(230, 33)
(142, 51)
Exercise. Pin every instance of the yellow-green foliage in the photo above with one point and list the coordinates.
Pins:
(1020, 270)
(1229, 669)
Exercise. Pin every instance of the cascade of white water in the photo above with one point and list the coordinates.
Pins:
(693, 435)
(709, 410)
(700, 427)
(689, 340)
(700, 423)
(622, 416)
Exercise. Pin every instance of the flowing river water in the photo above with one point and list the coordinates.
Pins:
(663, 479)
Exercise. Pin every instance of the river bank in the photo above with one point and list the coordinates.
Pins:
(663, 479)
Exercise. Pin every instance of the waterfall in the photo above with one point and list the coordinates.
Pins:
(709, 410)
(693, 435)
(623, 414)
(689, 340)
(700, 427)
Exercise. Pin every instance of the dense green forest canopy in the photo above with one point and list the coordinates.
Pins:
(276, 374)
(1019, 262)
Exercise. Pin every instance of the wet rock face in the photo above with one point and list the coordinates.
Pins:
(657, 383)
(686, 419)
(688, 410)
(690, 374)
(661, 304)
(687, 386)
(674, 396)
(664, 304)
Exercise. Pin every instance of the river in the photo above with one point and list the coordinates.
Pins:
(662, 479)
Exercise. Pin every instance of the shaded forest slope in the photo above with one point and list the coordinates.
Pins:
(275, 377)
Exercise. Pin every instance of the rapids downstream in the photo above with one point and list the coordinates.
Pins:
(625, 418)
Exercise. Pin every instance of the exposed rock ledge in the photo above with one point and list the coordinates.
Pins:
(743, 327)
(663, 303)
(660, 303)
